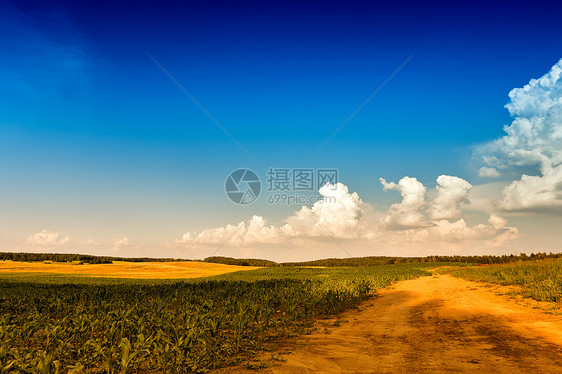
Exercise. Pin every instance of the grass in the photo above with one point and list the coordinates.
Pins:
(63, 323)
(540, 279)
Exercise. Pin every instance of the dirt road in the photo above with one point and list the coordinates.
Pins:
(434, 325)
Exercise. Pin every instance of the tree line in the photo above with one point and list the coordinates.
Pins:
(383, 260)
(328, 262)
(71, 257)
(240, 261)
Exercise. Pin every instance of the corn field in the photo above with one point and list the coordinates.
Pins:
(88, 325)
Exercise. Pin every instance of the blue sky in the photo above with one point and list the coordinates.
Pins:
(99, 144)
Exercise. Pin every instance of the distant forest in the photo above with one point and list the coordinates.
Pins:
(351, 261)
(240, 261)
(381, 260)
(69, 257)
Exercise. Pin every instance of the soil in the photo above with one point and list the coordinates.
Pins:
(438, 324)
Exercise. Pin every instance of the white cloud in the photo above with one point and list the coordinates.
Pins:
(339, 214)
(535, 193)
(47, 238)
(485, 197)
(459, 230)
(408, 213)
(533, 140)
(121, 244)
(497, 221)
(488, 172)
(458, 234)
(451, 192)
(402, 229)
(255, 230)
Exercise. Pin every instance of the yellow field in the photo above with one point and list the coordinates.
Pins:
(122, 269)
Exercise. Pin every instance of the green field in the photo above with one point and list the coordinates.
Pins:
(539, 279)
(66, 324)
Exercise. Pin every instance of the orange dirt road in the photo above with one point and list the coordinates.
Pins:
(438, 324)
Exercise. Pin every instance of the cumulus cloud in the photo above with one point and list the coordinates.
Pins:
(405, 224)
(47, 238)
(459, 230)
(408, 213)
(535, 193)
(255, 230)
(497, 221)
(343, 215)
(488, 172)
(457, 234)
(504, 233)
(124, 242)
(339, 213)
(533, 140)
(451, 192)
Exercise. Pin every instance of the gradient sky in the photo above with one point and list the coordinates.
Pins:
(99, 145)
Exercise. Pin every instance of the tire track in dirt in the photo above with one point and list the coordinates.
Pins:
(434, 325)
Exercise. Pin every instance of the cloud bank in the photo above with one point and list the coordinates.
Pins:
(533, 141)
(411, 223)
(255, 230)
